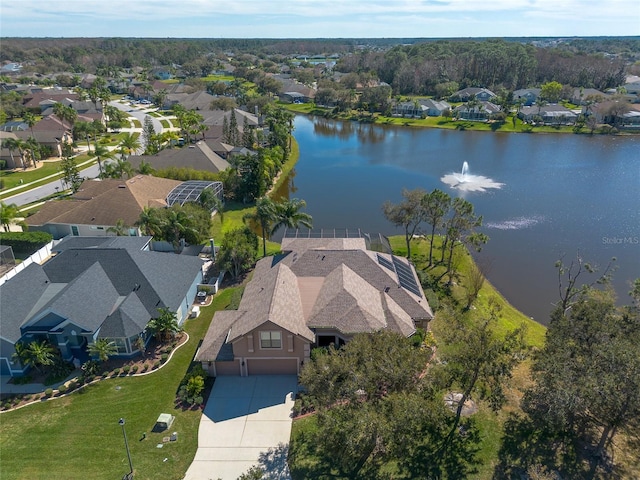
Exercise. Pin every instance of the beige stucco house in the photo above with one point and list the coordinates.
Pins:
(319, 291)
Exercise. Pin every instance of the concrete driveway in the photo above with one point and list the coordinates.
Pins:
(246, 422)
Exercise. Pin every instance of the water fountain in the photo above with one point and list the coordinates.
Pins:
(466, 182)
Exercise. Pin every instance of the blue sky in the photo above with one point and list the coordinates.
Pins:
(317, 19)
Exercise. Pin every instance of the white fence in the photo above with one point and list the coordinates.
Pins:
(39, 257)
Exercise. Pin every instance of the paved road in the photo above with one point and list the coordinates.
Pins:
(47, 189)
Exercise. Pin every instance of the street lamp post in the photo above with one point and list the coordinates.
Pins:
(126, 444)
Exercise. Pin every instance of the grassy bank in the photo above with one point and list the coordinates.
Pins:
(78, 436)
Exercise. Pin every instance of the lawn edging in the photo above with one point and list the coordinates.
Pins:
(53, 396)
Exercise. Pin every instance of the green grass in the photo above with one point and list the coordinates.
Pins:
(136, 123)
(78, 437)
(510, 317)
(165, 123)
(12, 178)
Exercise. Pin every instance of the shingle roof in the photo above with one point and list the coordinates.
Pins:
(198, 157)
(311, 286)
(106, 201)
(116, 290)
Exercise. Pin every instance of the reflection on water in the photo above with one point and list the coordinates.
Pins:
(561, 194)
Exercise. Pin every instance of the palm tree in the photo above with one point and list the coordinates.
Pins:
(34, 149)
(30, 119)
(149, 222)
(101, 152)
(40, 354)
(165, 325)
(129, 144)
(159, 98)
(177, 222)
(120, 229)
(102, 349)
(21, 146)
(288, 215)
(11, 144)
(265, 216)
(8, 215)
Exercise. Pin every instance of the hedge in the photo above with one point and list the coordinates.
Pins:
(25, 242)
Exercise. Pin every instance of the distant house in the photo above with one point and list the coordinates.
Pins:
(550, 114)
(198, 156)
(479, 112)
(528, 96)
(408, 109)
(200, 100)
(98, 288)
(100, 204)
(161, 73)
(466, 94)
(435, 108)
(319, 291)
(581, 96)
(10, 68)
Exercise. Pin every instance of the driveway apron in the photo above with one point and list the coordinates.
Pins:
(246, 423)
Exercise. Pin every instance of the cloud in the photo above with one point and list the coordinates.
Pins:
(315, 18)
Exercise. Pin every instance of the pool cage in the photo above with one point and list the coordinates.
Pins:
(191, 190)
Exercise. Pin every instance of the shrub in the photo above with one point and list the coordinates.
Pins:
(145, 367)
(164, 357)
(22, 380)
(116, 372)
(48, 392)
(63, 388)
(156, 364)
(72, 385)
(25, 242)
(198, 400)
(90, 378)
(126, 369)
(134, 369)
(105, 374)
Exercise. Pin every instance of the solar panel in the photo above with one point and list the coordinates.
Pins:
(406, 277)
(385, 263)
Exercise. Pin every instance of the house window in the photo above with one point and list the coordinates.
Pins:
(270, 340)
(74, 230)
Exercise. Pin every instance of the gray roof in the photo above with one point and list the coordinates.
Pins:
(198, 157)
(96, 288)
(127, 243)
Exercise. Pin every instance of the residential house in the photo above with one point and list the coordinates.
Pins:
(9, 158)
(435, 108)
(408, 109)
(478, 112)
(528, 96)
(49, 132)
(552, 114)
(97, 288)
(466, 94)
(319, 291)
(198, 156)
(100, 204)
(199, 100)
(161, 73)
(583, 96)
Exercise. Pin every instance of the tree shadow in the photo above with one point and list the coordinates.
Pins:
(273, 462)
(457, 460)
(526, 444)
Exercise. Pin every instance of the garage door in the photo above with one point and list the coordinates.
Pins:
(280, 366)
(228, 368)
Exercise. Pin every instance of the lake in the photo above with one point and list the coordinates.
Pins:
(562, 194)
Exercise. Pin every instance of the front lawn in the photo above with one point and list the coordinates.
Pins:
(78, 436)
(17, 177)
